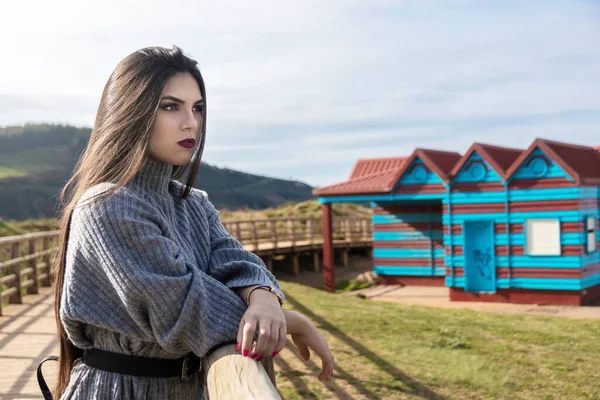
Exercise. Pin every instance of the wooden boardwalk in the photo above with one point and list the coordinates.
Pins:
(27, 327)
(27, 335)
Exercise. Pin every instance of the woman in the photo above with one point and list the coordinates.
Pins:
(148, 280)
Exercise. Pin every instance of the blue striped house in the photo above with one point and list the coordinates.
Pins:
(494, 224)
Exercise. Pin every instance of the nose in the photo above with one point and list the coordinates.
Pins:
(189, 121)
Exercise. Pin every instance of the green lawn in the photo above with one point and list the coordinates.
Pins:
(392, 351)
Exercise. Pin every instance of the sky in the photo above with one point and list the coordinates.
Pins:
(302, 89)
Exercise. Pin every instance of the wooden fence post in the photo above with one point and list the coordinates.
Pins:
(316, 261)
(273, 225)
(16, 269)
(291, 233)
(33, 264)
(47, 260)
(254, 236)
(238, 232)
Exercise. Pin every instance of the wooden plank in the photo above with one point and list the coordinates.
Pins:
(16, 270)
(33, 265)
(27, 258)
(273, 226)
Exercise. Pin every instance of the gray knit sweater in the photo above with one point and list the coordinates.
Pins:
(149, 274)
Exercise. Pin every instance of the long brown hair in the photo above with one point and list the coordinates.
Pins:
(116, 151)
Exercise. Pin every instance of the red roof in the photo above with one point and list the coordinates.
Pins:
(582, 163)
(379, 175)
(369, 176)
(440, 162)
(369, 166)
(499, 158)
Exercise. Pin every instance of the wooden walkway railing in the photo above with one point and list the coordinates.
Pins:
(25, 259)
(25, 265)
(282, 233)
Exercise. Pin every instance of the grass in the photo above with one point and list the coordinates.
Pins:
(349, 285)
(310, 208)
(393, 351)
(31, 159)
(13, 228)
(6, 172)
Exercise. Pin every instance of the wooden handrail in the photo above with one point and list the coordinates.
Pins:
(229, 375)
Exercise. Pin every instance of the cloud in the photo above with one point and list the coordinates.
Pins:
(302, 89)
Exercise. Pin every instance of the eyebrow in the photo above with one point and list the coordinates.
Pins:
(179, 100)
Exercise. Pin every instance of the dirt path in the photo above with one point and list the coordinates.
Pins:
(438, 297)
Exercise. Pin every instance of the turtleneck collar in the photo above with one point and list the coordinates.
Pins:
(154, 175)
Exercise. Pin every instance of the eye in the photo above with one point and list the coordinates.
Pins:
(198, 109)
(168, 106)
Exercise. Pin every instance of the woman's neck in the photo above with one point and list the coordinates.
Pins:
(154, 175)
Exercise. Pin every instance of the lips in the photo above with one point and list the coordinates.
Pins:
(187, 143)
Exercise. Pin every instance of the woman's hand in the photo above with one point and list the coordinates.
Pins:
(265, 317)
(306, 336)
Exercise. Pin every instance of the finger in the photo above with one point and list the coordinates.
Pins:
(240, 335)
(248, 336)
(302, 348)
(264, 332)
(273, 341)
(326, 368)
(280, 342)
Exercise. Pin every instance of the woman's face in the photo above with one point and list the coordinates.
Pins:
(179, 118)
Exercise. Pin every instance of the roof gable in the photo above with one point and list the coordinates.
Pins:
(477, 169)
(436, 161)
(539, 164)
(579, 163)
(418, 173)
(497, 158)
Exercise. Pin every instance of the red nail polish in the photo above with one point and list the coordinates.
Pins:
(237, 347)
(245, 353)
(259, 358)
(274, 353)
(253, 355)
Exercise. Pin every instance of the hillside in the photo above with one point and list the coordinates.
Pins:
(37, 160)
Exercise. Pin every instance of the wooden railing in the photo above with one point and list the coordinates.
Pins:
(284, 233)
(25, 259)
(25, 264)
(224, 363)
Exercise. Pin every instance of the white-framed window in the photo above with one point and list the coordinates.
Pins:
(591, 234)
(543, 236)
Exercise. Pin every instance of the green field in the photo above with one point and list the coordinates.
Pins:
(6, 172)
(31, 159)
(392, 351)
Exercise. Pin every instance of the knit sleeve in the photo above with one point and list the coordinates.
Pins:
(126, 275)
(229, 262)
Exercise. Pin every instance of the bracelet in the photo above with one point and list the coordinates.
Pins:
(270, 289)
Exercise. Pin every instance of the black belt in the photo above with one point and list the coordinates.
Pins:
(124, 364)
